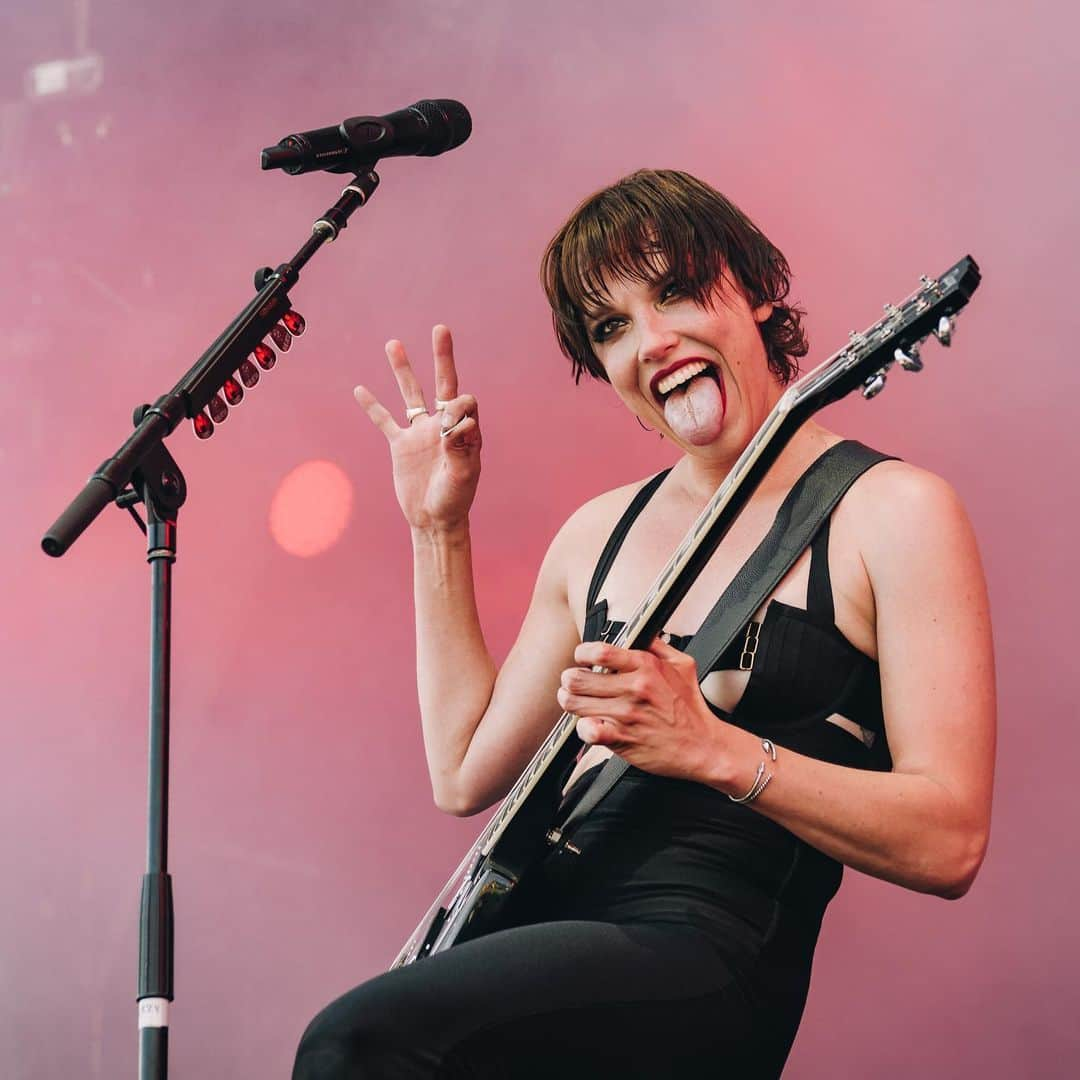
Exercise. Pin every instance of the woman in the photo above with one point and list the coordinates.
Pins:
(681, 944)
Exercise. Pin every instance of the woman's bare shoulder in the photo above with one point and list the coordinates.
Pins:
(896, 506)
(895, 489)
(578, 544)
(594, 520)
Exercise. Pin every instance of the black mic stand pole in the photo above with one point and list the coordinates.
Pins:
(156, 481)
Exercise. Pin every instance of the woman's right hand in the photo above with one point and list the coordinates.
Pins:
(435, 475)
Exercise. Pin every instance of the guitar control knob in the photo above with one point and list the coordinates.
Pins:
(944, 331)
(874, 385)
(910, 360)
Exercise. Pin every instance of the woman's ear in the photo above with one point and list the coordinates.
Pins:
(763, 312)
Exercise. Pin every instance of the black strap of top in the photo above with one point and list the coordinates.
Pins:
(805, 508)
(618, 534)
(819, 598)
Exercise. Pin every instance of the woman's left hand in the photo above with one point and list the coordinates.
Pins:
(648, 708)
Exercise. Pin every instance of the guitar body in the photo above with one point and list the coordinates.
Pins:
(520, 833)
(476, 906)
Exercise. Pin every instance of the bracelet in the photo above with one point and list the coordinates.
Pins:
(759, 784)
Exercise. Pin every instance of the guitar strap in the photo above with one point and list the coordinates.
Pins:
(803, 511)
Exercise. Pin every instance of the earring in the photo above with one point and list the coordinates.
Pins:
(642, 426)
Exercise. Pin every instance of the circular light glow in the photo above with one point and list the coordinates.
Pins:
(310, 508)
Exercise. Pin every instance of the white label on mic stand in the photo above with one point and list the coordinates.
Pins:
(154, 1013)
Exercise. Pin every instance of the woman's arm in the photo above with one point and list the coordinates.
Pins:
(480, 725)
(925, 824)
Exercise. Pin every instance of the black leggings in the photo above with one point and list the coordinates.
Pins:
(555, 1000)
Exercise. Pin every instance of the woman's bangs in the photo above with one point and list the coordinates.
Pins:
(613, 242)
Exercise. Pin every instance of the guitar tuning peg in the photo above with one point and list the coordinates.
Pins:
(944, 331)
(874, 385)
(910, 360)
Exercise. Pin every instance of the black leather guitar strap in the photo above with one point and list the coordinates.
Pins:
(803, 511)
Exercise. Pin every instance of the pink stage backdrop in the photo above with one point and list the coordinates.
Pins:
(872, 143)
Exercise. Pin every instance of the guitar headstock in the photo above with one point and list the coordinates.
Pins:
(897, 337)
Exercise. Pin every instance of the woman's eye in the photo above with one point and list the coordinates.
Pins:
(603, 330)
(671, 290)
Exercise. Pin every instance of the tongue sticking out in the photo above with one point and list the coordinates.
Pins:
(695, 411)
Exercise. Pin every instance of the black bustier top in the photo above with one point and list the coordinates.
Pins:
(802, 668)
(662, 850)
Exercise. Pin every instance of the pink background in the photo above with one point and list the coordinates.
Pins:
(872, 145)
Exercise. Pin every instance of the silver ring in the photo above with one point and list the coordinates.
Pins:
(440, 404)
(414, 412)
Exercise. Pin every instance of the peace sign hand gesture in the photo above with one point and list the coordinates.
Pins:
(436, 456)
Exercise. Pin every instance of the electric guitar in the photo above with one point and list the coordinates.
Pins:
(519, 834)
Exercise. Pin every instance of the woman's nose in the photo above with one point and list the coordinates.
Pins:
(656, 337)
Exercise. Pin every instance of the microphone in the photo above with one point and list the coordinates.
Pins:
(424, 129)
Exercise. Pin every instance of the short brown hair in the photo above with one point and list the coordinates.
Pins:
(662, 222)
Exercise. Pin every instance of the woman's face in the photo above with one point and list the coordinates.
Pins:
(698, 373)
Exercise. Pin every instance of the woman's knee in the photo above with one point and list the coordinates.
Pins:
(360, 1035)
(327, 1050)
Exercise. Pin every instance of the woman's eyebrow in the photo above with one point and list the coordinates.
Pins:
(595, 314)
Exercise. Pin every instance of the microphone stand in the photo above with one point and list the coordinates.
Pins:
(142, 470)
